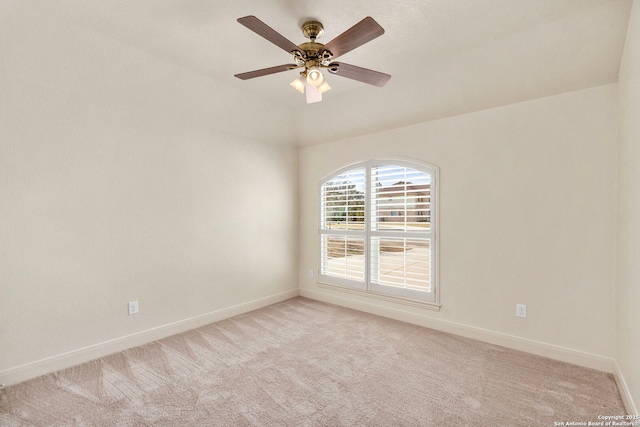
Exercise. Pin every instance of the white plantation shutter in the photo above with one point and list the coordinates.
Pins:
(343, 257)
(401, 235)
(343, 228)
(378, 229)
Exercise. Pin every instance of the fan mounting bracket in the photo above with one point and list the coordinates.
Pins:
(312, 30)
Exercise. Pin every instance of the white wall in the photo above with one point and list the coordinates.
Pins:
(628, 277)
(527, 211)
(123, 177)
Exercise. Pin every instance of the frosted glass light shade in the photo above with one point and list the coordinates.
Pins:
(324, 87)
(314, 77)
(298, 84)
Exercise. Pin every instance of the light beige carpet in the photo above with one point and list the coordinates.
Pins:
(305, 363)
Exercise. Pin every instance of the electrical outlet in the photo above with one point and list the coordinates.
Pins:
(310, 274)
(133, 307)
(521, 310)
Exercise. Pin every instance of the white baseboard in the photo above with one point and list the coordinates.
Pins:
(551, 351)
(625, 393)
(76, 357)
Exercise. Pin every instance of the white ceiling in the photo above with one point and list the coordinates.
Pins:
(446, 57)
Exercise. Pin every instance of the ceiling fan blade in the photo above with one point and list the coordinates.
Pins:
(361, 33)
(266, 71)
(360, 74)
(262, 29)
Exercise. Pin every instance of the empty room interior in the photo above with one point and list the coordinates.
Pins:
(473, 172)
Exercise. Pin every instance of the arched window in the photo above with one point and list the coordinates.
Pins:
(378, 229)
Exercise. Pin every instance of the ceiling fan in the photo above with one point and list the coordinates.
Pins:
(312, 56)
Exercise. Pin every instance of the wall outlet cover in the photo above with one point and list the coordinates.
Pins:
(133, 307)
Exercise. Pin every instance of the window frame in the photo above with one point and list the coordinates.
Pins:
(430, 299)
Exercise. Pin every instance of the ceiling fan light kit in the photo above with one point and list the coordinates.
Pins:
(313, 56)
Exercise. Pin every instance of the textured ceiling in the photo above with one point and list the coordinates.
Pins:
(446, 57)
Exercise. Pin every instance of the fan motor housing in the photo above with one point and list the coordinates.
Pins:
(311, 47)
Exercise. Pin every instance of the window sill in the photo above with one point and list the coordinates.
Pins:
(384, 297)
